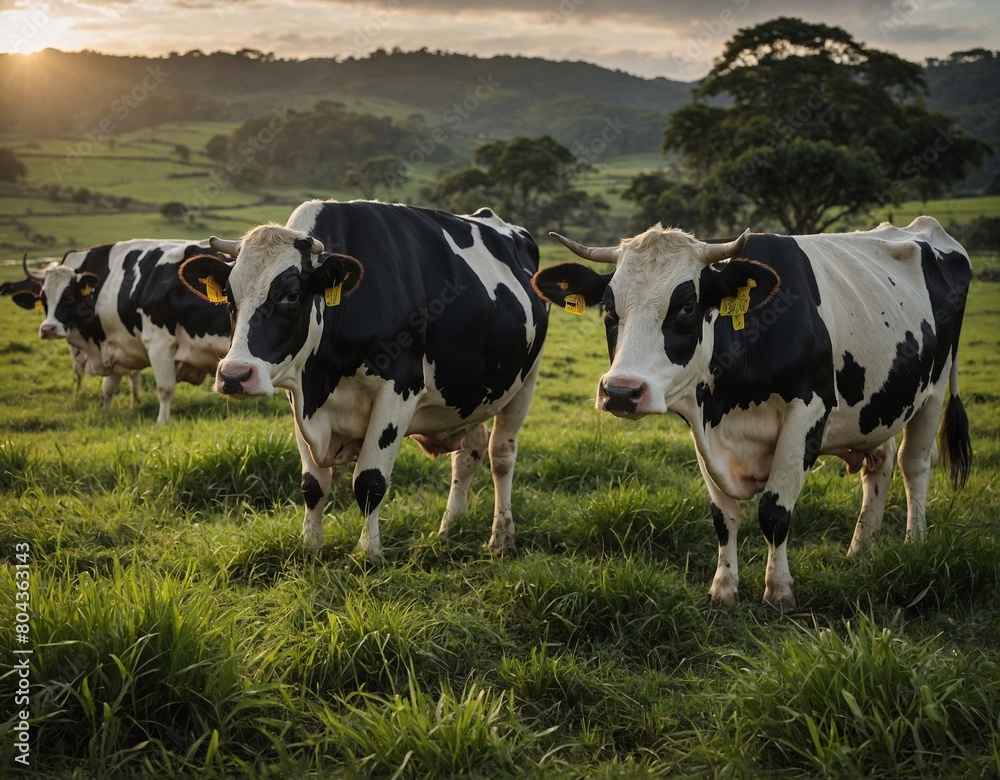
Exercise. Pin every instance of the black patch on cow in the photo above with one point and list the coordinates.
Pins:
(682, 326)
(388, 436)
(369, 490)
(312, 493)
(280, 324)
(910, 371)
(947, 280)
(77, 311)
(851, 380)
(784, 348)
(419, 298)
(774, 519)
(719, 521)
(152, 287)
(610, 323)
(814, 443)
(460, 232)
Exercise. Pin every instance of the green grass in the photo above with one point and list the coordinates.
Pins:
(145, 166)
(181, 630)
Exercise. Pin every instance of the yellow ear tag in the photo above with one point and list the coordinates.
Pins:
(215, 293)
(38, 303)
(332, 295)
(738, 306)
(85, 291)
(575, 304)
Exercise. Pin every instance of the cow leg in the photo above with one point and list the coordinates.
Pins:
(133, 379)
(796, 450)
(726, 516)
(315, 488)
(915, 456)
(874, 491)
(464, 463)
(109, 386)
(503, 456)
(161, 359)
(375, 462)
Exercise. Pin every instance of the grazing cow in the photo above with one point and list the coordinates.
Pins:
(124, 307)
(27, 293)
(778, 349)
(383, 321)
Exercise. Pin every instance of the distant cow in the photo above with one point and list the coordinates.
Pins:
(778, 349)
(27, 292)
(124, 307)
(383, 321)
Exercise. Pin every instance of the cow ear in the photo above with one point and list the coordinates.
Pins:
(206, 276)
(26, 300)
(332, 271)
(86, 283)
(556, 282)
(725, 280)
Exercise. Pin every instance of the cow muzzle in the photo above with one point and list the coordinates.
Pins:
(236, 379)
(623, 397)
(51, 330)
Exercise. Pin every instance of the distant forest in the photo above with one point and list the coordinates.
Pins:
(399, 102)
(55, 93)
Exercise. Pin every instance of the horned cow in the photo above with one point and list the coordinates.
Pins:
(778, 349)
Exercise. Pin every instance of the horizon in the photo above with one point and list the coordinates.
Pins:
(643, 39)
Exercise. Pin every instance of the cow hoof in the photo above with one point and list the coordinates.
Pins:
(313, 544)
(503, 548)
(725, 599)
(783, 604)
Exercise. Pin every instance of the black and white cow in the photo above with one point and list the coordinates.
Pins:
(778, 349)
(382, 321)
(27, 293)
(123, 306)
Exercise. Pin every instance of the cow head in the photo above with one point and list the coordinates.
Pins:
(276, 291)
(67, 297)
(658, 305)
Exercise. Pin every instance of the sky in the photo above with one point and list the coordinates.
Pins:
(649, 38)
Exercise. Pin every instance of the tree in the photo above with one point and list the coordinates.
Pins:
(217, 147)
(819, 128)
(11, 167)
(526, 180)
(384, 169)
(173, 211)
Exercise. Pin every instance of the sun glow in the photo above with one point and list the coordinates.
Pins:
(31, 31)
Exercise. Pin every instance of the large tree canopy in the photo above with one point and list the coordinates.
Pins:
(818, 128)
(528, 181)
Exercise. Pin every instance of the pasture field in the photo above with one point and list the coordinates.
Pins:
(179, 629)
(147, 167)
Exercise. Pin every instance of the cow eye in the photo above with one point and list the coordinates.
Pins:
(689, 308)
(290, 297)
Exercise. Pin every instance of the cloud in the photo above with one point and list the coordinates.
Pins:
(651, 38)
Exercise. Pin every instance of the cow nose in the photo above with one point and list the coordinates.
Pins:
(621, 395)
(233, 377)
(48, 331)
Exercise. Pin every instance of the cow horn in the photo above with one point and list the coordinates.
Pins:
(317, 247)
(231, 248)
(716, 253)
(38, 276)
(599, 254)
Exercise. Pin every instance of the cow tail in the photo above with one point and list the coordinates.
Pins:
(953, 438)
